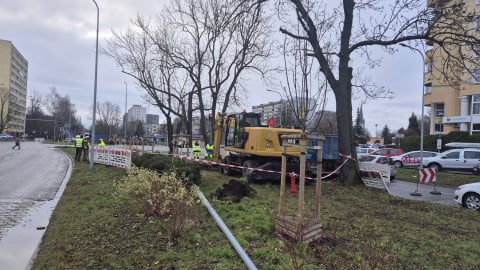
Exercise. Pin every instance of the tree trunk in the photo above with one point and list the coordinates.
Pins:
(343, 97)
(170, 134)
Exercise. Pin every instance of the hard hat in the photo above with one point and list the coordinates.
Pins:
(78, 136)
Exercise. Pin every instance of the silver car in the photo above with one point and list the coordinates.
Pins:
(456, 159)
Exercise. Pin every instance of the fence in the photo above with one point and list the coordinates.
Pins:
(121, 158)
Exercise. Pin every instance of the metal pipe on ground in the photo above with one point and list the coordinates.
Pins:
(248, 262)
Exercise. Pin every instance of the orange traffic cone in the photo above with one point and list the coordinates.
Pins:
(293, 187)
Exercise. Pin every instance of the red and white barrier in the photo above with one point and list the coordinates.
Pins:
(374, 178)
(121, 158)
(427, 175)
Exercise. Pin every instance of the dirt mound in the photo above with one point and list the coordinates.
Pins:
(234, 191)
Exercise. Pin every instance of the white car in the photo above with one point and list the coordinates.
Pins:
(457, 159)
(378, 160)
(411, 159)
(468, 196)
(364, 151)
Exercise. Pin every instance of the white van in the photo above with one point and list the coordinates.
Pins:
(457, 159)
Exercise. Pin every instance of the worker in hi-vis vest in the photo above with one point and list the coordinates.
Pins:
(209, 151)
(196, 150)
(78, 147)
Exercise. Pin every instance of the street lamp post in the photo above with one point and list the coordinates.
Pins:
(281, 106)
(423, 98)
(94, 92)
(126, 115)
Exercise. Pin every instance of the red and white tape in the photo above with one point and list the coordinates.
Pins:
(209, 162)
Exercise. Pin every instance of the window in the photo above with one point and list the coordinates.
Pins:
(476, 104)
(439, 109)
(382, 152)
(476, 75)
(471, 155)
(428, 66)
(439, 128)
(476, 50)
(452, 155)
(428, 89)
(476, 129)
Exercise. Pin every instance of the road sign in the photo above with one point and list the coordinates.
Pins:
(427, 175)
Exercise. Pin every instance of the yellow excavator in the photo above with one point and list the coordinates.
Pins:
(250, 144)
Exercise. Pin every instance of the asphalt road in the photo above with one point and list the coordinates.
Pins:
(30, 179)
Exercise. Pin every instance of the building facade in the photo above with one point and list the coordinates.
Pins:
(137, 113)
(13, 89)
(453, 107)
(284, 112)
(277, 110)
(152, 125)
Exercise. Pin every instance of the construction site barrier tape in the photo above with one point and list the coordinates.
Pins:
(210, 163)
(122, 158)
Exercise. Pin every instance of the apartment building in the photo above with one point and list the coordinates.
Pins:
(284, 112)
(137, 113)
(13, 89)
(453, 107)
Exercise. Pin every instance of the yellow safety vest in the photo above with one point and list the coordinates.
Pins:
(102, 143)
(209, 148)
(78, 142)
(196, 148)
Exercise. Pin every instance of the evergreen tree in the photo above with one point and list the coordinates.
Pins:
(413, 127)
(387, 137)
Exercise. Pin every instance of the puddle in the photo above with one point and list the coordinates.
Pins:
(19, 245)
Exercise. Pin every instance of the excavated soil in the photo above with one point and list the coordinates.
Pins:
(234, 191)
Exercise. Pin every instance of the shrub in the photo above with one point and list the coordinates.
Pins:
(164, 196)
(166, 164)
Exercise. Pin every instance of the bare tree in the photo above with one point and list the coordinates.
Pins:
(338, 35)
(208, 45)
(108, 118)
(36, 104)
(61, 109)
(137, 53)
(216, 42)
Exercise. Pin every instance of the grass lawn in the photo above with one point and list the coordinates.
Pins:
(446, 179)
(363, 228)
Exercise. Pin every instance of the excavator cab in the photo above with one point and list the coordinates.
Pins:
(236, 136)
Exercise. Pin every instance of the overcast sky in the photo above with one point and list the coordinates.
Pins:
(57, 38)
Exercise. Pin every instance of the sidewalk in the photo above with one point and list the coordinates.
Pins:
(404, 189)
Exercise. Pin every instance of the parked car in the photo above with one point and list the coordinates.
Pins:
(411, 159)
(364, 145)
(6, 137)
(364, 151)
(381, 160)
(388, 152)
(68, 139)
(468, 196)
(455, 159)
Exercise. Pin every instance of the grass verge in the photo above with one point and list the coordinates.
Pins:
(363, 228)
(443, 178)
